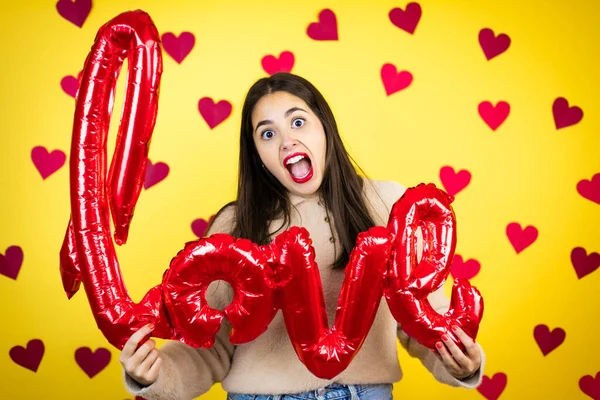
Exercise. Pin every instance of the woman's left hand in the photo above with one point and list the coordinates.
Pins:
(458, 363)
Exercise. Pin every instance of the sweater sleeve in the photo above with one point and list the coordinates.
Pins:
(187, 372)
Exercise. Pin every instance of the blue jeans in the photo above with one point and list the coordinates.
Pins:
(332, 392)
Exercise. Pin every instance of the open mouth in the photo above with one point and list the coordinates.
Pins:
(299, 167)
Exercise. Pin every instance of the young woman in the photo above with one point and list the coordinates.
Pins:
(295, 171)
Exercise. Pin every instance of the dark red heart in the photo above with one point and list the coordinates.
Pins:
(92, 362)
(178, 47)
(408, 19)
(590, 386)
(590, 189)
(564, 115)
(548, 340)
(11, 262)
(47, 163)
(492, 388)
(213, 113)
(75, 11)
(155, 173)
(326, 28)
(29, 357)
(491, 44)
(583, 263)
(200, 225)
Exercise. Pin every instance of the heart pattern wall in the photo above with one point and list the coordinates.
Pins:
(494, 101)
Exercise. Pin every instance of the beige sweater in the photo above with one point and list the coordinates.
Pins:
(268, 364)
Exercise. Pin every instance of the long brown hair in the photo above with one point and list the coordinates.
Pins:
(261, 198)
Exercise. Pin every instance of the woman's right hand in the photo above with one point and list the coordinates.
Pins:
(143, 364)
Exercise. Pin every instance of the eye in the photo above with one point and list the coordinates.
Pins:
(298, 122)
(267, 135)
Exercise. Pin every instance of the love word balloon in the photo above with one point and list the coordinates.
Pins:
(282, 275)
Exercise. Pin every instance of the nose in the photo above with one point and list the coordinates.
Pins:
(288, 142)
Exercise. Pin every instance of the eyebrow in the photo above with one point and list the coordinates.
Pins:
(287, 114)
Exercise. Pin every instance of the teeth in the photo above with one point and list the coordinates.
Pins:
(294, 160)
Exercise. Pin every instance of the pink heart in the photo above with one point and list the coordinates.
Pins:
(178, 47)
(454, 182)
(199, 226)
(491, 45)
(92, 362)
(155, 173)
(29, 357)
(590, 386)
(494, 116)
(464, 269)
(406, 20)
(492, 388)
(325, 29)
(521, 238)
(75, 11)
(70, 85)
(213, 113)
(564, 115)
(548, 340)
(10, 264)
(47, 163)
(583, 263)
(284, 63)
(590, 189)
(394, 81)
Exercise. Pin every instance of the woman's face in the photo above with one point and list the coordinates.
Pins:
(290, 140)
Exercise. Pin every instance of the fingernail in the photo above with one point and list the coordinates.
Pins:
(454, 328)
(439, 345)
(151, 326)
(444, 338)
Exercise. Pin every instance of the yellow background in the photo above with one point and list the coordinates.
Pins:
(526, 171)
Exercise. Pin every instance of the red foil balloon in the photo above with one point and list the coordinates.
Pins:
(327, 352)
(88, 254)
(428, 208)
(240, 263)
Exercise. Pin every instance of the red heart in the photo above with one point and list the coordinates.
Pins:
(494, 116)
(394, 81)
(491, 45)
(10, 264)
(75, 11)
(590, 386)
(70, 85)
(325, 29)
(155, 173)
(406, 20)
(213, 113)
(29, 357)
(590, 189)
(464, 269)
(199, 226)
(584, 263)
(454, 182)
(564, 115)
(284, 63)
(178, 47)
(47, 163)
(547, 340)
(521, 238)
(92, 362)
(492, 388)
